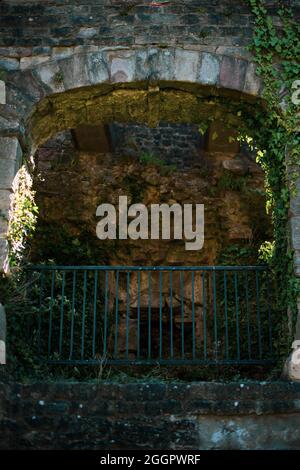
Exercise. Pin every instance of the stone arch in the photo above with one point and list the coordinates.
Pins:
(50, 93)
(44, 76)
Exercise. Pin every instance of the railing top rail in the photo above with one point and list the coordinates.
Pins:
(45, 267)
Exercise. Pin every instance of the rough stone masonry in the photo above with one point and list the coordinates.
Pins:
(54, 47)
(59, 60)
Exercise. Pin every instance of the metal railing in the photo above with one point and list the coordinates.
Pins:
(150, 315)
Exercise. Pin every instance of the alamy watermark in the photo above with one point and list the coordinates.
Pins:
(166, 222)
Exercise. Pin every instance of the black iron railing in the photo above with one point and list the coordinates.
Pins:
(150, 315)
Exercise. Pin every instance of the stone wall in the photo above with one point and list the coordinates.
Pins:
(176, 144)
(167, 416)
(52, 51)
(130, 22)
(231, 187)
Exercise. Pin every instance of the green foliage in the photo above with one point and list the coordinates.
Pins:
(21, 312)
(58, 78)
(266, 251)
(149, 159)
(23, 216)
(276, 51)
(3, 74)
(241, 254)
(56, 243)
(232, 182)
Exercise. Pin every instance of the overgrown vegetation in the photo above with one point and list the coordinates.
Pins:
(228, 181)
(150, 159)
(272, 132)
(23, 216)
(276, 51)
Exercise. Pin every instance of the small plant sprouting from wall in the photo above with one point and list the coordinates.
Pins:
(58, 79)
(23, 216)
(150, 159)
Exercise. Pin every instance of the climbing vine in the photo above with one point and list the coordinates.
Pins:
(276, 134)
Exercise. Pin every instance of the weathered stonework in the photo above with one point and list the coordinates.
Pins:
(193, 177)
(2, 335)
(172, 416)
(2, 92)
(68, 64)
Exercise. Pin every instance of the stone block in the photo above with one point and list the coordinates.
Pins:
(121, 66)
(87, 33)
(236, 166)
(30, 62)
(295, 232)
(97, 68)
(143, 62)
(2, 325)
(292, 366)
(5, 199)
(295, 200)
(2, 92)
(253, 83)
(186, 65)
(223, 142)
(3, 255)
(9, 63)
(3, 224)
(232, 73)
(8, 169)
(61, 52)
(209, 69)
(9, 123)
(160, 64)
(297, 264)
(10, 148)
(2, 335)
(75, 71)
(51, 75)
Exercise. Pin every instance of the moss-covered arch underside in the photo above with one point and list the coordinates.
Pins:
(139, 102)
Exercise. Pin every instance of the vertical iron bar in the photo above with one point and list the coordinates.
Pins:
(182, 312)
(226, 316)
(204, 316)
(51, 313)
(171, 315)
(247, 313)
(149, 313)
(83, 314)
(237, 317)
(117, 315)
(42, 283)
(139, 315)
(62, 313)
(193, 314)
(127, 311)
(105, 315)
(215, 314)
(72, 314)
(95, 311)
(269, 312)
(258, 314)
(160, 314)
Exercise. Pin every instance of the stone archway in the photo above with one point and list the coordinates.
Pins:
(50, 94)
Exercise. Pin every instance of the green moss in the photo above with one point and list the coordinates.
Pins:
(149, 159)
(229, 181)
(58, 78)
(3, 74)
